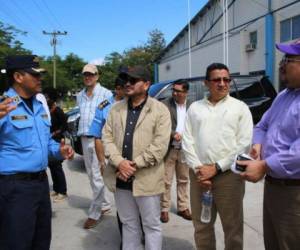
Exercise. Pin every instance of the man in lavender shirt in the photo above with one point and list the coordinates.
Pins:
(276, 149)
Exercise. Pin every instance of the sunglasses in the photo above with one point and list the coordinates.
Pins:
(133, 81)
(220, 79)
(86, 74)
(178, 90)
(286, 60)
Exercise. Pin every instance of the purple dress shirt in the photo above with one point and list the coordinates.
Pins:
(279, 133)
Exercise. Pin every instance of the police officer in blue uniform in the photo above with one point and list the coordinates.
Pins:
(101, 115)
(25, 143)
(98, 123)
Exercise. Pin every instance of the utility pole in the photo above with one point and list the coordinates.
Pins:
(53, 43)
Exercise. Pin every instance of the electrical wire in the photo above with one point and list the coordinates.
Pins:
(32, 21)
(51, 13)
(266, 7)
(41, 10)
(17, 22)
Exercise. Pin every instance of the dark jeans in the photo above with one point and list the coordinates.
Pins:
(25, 215)
(58, 176)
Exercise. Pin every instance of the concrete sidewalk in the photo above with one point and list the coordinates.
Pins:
(69, 216)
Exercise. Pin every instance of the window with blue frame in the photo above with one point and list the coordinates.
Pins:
(285, 30)
(296, 27)
(290, 29)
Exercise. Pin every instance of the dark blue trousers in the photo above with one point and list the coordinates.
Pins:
(25, 215)
(58, 176)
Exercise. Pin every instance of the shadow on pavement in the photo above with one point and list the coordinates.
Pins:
(76, 201)
(76, 164)
(170, 243)
(105, 236)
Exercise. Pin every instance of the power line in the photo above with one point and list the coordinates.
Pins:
(266, 7)
(26, 14)
(41, 10)
(51, 13)
(53, 42)
(18, 22)
(10, 15)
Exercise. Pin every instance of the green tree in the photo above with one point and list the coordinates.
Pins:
(155, 44)
(144, 55)
(110, 68)
(68, 72)
(73, 65)
(9, 45)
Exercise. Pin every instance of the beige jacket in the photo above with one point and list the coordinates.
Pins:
(150, 143)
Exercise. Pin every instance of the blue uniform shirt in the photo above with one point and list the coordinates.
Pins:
(100, 117)
(25, 139)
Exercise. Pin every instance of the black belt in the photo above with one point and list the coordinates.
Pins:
(282, 182)
(25, 176)
(88, 136)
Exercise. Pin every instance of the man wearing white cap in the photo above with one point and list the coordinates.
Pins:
(88, 100)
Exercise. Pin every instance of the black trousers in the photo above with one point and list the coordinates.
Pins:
(58, 176)
(25, 215)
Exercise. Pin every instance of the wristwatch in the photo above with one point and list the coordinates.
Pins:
(218, 167)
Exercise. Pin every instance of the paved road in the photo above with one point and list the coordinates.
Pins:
(69, 216)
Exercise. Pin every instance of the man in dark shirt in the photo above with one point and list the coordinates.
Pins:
(135, 138)
(58, 127)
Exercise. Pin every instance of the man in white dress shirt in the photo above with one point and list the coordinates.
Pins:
(217, 128)
(177, 105)
(88, 100)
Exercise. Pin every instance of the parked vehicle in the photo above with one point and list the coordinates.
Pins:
(256, 91)
(73, 121)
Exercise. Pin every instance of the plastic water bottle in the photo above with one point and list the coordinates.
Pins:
(206, 206)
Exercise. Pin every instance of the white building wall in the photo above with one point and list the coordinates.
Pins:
(279, 16)
(175, 64)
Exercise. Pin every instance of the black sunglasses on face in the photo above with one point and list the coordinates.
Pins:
(133, 81)
(220, 79)
(178, 90)
(86, 74)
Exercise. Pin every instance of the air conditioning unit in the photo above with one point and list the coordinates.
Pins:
(250, 47)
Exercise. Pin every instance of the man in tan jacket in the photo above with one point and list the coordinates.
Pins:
(136, 137)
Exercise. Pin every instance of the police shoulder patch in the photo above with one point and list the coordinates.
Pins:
(103, 104)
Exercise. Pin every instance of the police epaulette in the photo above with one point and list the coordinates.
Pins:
(103, 104)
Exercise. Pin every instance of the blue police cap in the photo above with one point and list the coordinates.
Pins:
(28, 63)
